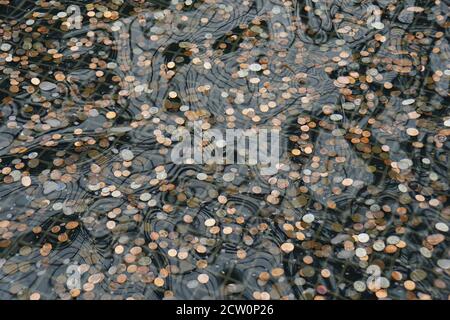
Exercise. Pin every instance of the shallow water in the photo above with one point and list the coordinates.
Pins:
(357, 210)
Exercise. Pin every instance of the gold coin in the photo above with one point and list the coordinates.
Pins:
(203, 278)
(287, 247)
(409, 285)
(159, 282)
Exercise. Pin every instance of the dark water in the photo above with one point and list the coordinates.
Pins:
(359, 90)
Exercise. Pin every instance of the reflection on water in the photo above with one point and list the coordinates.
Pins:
(93, 93)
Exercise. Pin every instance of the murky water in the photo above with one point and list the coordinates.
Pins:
(92, 93)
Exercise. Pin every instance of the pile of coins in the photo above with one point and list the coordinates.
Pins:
(92, 95)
